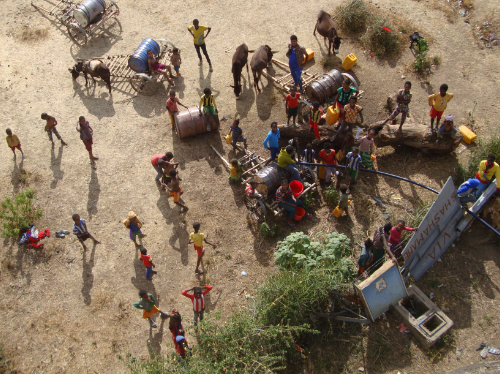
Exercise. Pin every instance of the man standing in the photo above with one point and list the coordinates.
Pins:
(488, 170)
(297, 58)
(198, 32)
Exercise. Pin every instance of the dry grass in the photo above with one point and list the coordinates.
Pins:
(449, 12)
(101, 299)
(32, 35)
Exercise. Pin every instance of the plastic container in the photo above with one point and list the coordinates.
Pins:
(299, 213)
(373, 157)
(337, 212)
(321, 172)
(138, 62)
(349, 61)
(468, 135)
(296, 187)
(88, 11)
(229, 139)
(332, 114)
(310, 54)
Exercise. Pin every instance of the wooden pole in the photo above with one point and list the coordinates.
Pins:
(221, 157)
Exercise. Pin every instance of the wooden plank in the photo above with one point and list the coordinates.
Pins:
(220, 156)
(278, 62)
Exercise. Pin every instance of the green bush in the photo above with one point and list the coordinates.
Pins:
(18, 212)
(353, 17)
(308, 199)
(298, 251)
(269, 231)
(381, 41)
(331, 195)
(422, 63)
(478, 154)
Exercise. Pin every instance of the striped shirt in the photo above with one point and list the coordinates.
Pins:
(198, 304)
(281, 195)
(208, 101)
(353, 161)
(81, 228)
(315, 114)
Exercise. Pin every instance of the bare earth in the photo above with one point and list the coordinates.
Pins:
(65, 310)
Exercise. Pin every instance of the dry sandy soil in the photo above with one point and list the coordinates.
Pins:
(65, 310)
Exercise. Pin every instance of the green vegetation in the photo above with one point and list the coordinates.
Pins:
(331, 195)
(353, 17)
(381, 41)
(269, 231)
(327, 62)
(422, 63)
(308, 199)
(18, 212)
(415, 217)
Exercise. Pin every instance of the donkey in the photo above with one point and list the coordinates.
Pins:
(240, 59)
(327, 28)
(260, 60)
(94, 68)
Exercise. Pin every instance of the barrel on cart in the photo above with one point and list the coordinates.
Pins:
(89, 12)
(138, 62)
(271, 177)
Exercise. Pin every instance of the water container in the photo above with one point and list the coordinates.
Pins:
(468, 135)
(321, 172)
(138, 62)
(299, 213)
(349, 62)
(88, 11)
(337, 212)
(296, 188)
(310, 54)
(332, 114)
(229, 139)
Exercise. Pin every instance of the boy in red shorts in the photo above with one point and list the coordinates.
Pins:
(13, 142)
(292, 106)
(314, 117)
(198, 238)
(438, 104)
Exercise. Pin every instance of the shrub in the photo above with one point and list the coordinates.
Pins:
(331, 195)
(269, 231)
(421, 63)
(308, 199)
(298, 251)
(478, 154)
(382, 42)
(18, 212)
(353, 17)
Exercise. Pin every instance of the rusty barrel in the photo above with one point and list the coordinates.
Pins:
(326, 86)
(271, 176)
(190, 123)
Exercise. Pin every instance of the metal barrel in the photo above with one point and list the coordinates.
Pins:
(271, 176)
(190, 123)
(325, 87)
(89, 10)
(138, 62)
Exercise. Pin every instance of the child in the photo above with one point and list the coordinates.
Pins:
(286, 200)
(350, 112)
(134, 224)
(353, 162)
(294, 142)
(197, 238)
(50, 127)
(403, 99)
(327, 155)
(81, 232)
(148, 263)
(309, 154)
(237, 134)
(395, 237)
(235, 171)
(86, 136)
(251, 189)
(209, 107)
(344, 199)
(271, 142)
(154, 65)
(176, 60)
(167, 164)
(366, 149)
(347, 143)
(176, 190)
(344, 94)
(447, 127)
(314, 116)
(198, 299)
(292, 106)
(172, 109)
(438, 104)
(180, 347)
(147, 304)
(13, 142)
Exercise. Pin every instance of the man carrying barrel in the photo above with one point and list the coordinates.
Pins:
(297, 58)
(198, 32)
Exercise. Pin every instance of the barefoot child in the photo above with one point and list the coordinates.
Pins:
(366, 149)
(237, 134)
(81, 232)
(198, 238)
(344, 199)
(172, 109)
(147, 304)
(176, 190)
(13, 142)
(350, 113)
(154, 65)
(438, 104)
(292, 106)
(134, 224)
(86, 135)
(353, 162)
(50, 127)
(148, 263)
(176, 60)
(167, 164)
(314, 116)
(447, 127)
(403, 99)
(235, 171)
(198, 299)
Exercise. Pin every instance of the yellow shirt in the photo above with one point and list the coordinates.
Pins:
(197, 238)
(207, 101)
(439, 102)
(493, 172)
(12, 141)
(199, 35)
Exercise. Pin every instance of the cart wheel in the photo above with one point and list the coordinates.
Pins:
(256, 209)
(308, 173)
(116, 6)
(143, 84)
(77, 33)
(166, 42)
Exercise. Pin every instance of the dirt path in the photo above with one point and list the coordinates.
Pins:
(68, 310)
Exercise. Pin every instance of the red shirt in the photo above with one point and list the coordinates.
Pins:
(328, 159)
(396, 234)
(172, 105)
(146, 260)
(198, 304)
(154, 160)
(249, 191)
(293, 101)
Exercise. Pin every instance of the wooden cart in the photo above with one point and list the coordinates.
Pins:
(64, 12)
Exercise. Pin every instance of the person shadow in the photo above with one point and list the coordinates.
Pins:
(139, 281)
(87, 275)
(94, 191)
(209, 304)
(154, 340)
(16, 175)
(55, 166)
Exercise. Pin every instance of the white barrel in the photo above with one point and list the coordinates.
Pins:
(89, 10)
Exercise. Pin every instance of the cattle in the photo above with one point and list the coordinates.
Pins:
(240, 59)
(94, 68)
(327, 28)
(260, 60)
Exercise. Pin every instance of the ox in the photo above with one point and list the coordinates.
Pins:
(94, 68)
(240, 59)
(260, 60)
(327, 28)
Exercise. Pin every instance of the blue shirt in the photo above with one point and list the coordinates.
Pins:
(237, 131)
(271, 140)
(309, 156)
(81, 228)
(353, 161)
(292, 61)
(134, 228)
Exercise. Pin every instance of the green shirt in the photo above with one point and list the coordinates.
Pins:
(145, 304)
(344, 97)
(343, 202)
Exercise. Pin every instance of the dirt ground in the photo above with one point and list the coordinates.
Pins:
(66, 310)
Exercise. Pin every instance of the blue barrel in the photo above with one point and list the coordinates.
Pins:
(138, 62)
(88, 11)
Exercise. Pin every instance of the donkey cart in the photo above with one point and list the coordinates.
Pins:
(81, 20)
